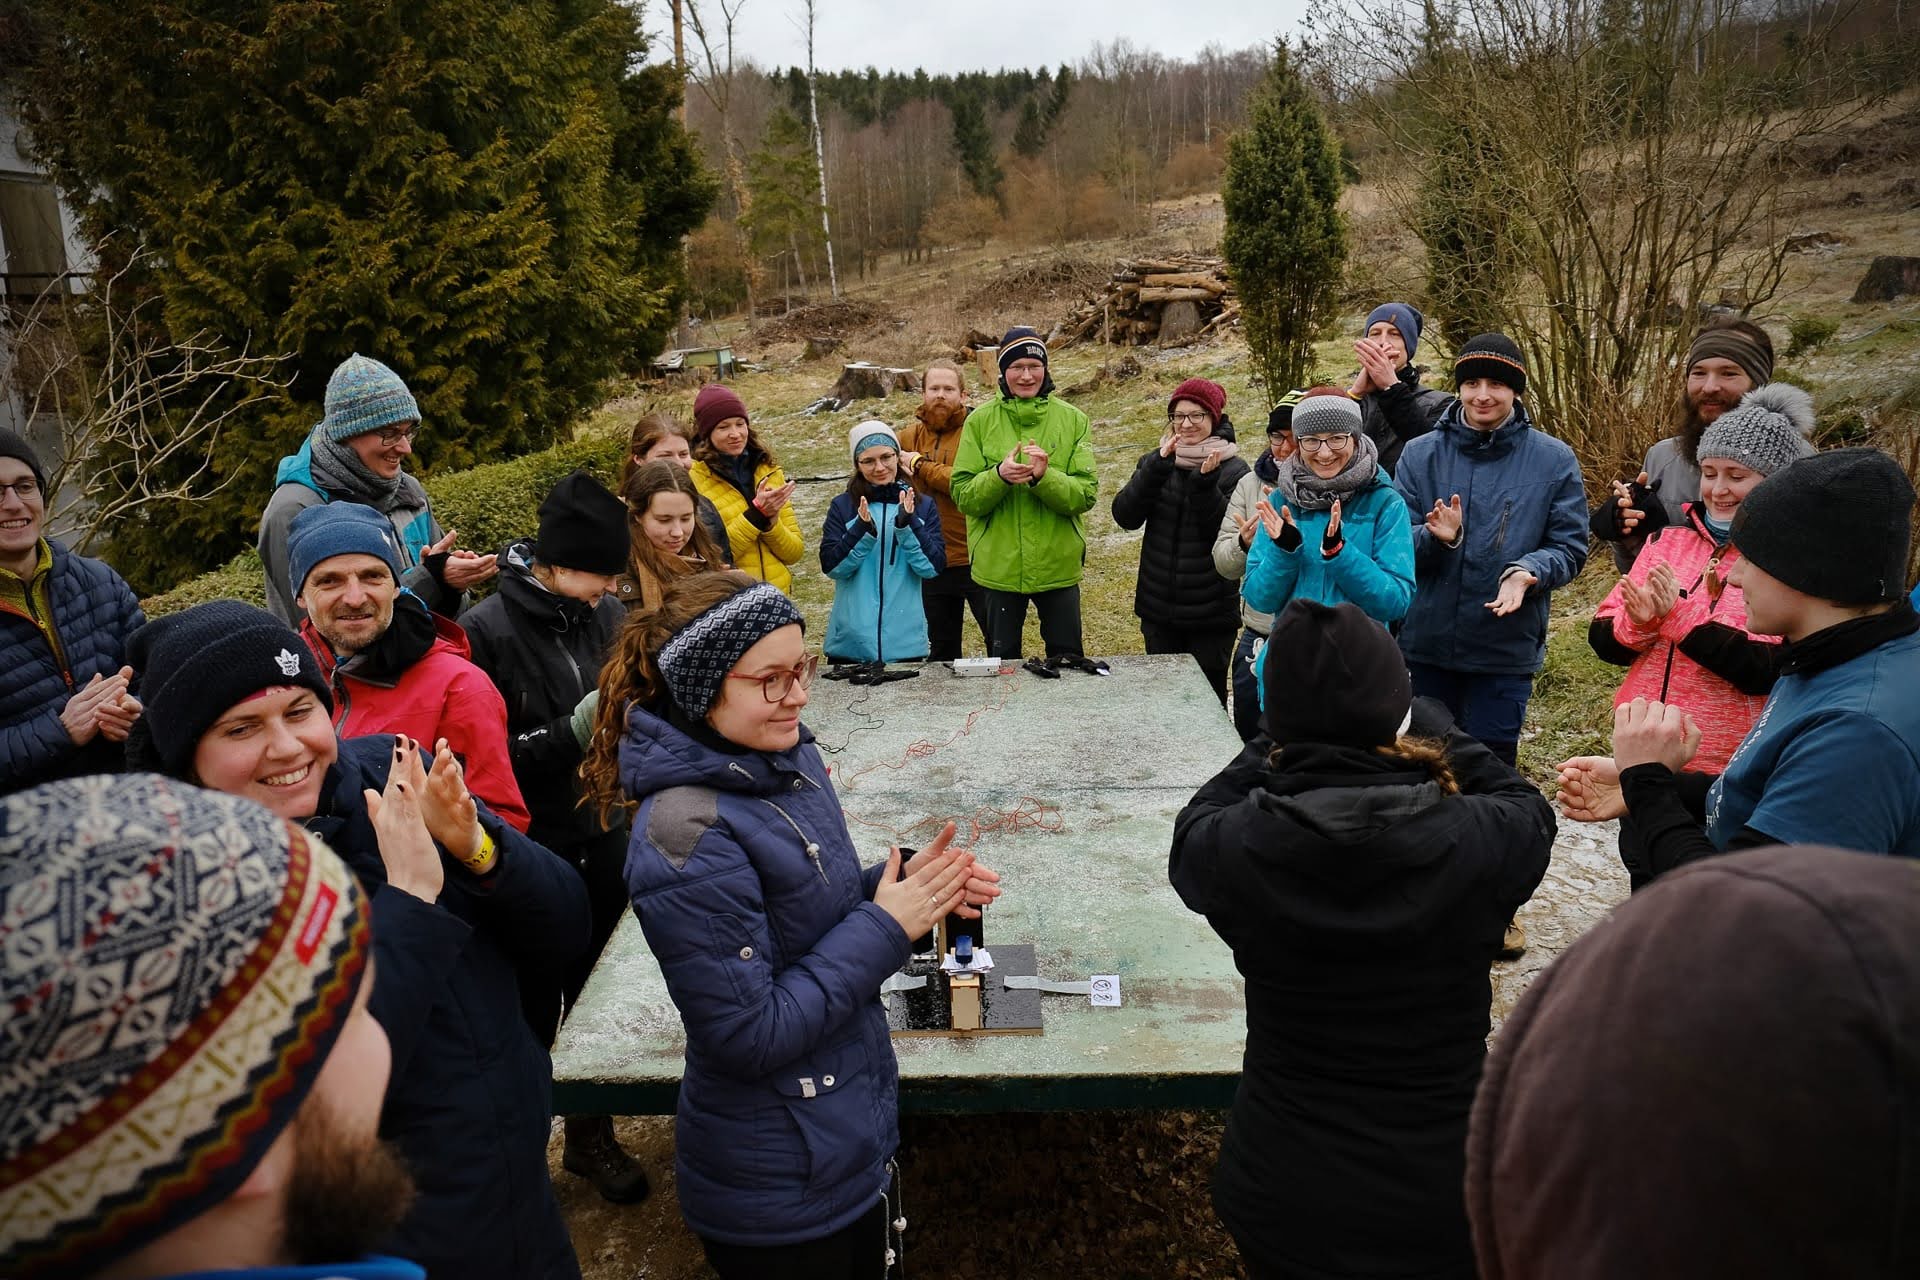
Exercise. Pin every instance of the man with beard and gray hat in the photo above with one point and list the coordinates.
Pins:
(1835, 756)
(190, 1078)
(1728, 358)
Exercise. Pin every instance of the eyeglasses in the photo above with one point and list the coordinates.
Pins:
(27, 490)
(391, 436)
(1324, 444)
(777, 685)
(1187, 419)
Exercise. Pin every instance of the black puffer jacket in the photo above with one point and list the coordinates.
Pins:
(1394, 416)
(1178, 585)
(1363, 906)
(544, 653)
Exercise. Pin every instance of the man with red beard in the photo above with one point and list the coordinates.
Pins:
(1728, 358)
(927, 447)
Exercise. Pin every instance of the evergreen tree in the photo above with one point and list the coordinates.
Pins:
(1285, 240)
(786, 192)
(487, 198)
(1030, 135)
(973, 143)
(1062, 89)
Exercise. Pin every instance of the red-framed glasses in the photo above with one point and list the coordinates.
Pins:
(778, 684)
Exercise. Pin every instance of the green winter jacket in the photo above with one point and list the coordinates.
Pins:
(1026, 538)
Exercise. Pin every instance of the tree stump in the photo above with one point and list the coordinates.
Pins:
(1178, 321)
(863, 381)
(1888, 278)
(820, 348)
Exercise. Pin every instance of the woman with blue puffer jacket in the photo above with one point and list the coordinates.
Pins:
(1340, 533)
(772, 938)
(878, 546)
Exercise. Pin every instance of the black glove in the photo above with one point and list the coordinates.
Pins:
(1288, 538)
(1331, 543)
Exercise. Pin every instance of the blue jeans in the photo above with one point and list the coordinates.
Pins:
(1246, 685)
(1488, 707)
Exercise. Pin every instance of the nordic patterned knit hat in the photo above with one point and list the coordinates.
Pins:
(364, 395)
(699, 656)
(178, 967)
(1764, 432)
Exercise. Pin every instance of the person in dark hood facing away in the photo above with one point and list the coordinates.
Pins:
(1362, 865)
(1724, 1080)
(542, 639)
(1180, 491)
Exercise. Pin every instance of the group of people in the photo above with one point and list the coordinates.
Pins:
(318, 1035)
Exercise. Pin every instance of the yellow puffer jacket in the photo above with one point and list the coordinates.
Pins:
(760, 547)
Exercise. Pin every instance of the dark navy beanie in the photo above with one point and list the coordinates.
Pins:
(1402, 317)
(339, 529)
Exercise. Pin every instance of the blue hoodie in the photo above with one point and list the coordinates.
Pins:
(1522, 503)
(754, 903)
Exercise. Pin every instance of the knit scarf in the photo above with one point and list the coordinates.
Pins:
(341, 473)
(1306, 491)
(1188, 457)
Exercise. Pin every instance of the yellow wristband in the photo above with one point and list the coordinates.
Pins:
(482, 856)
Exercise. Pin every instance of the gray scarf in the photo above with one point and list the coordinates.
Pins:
(340, 472)
(1306, 491)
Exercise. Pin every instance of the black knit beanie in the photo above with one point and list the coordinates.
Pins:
(1492, 355)
(1835, 526)
(14, 445)
(191, 668)
(1333, 675)
(582, 526)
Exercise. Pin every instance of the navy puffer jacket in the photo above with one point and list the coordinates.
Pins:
(469, 1102)
(94, 611)
(754, 902)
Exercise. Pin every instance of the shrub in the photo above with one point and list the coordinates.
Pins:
(1810, 332)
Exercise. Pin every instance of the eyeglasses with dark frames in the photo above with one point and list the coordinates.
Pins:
(776, 685)
(27, 489)
(391, 436)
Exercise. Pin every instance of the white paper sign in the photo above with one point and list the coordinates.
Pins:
(1106, 990)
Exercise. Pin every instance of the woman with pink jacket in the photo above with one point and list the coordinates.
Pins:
(1675, 622)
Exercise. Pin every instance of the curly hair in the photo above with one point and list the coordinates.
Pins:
(632, 675)
(648, 566)
(1428, 753)
(649, 431)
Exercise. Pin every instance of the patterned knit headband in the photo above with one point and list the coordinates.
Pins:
(699, 656)
(179, 965)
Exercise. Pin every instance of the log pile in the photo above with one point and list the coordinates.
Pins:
(1171, 301)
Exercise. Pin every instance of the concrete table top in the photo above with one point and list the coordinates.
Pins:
(1069, 789)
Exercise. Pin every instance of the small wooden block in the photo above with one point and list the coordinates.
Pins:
(964, 988)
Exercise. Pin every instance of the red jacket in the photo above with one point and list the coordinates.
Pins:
(1716, 673)
(417, 680)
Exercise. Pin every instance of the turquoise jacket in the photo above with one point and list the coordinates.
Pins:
(1025, 538)
(877, 611)
(1373, 570)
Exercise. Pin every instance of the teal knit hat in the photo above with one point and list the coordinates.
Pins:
(364, 395)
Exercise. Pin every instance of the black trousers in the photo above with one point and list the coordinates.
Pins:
(546, 992)
(857, 1252)
(1213, 650)
(947, 596)
(1059, 621)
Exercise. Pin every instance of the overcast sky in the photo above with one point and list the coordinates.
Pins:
(947, 36)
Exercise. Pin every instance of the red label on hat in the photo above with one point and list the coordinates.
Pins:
(319, 916)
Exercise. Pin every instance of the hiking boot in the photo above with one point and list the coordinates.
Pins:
(1514, 944)
(593, 1153)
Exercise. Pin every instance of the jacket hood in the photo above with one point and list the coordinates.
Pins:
(1267, 467)
(657, 754)
(524, 592)
(1321, 799)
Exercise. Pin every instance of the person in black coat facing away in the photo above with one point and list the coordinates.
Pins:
(542, 639)
(1179, 491)
(234, 702)
(1362, 860)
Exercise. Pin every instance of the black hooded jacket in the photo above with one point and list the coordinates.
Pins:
(1177, 584)
(1399, 414)
(544, 653)
(1363, 906)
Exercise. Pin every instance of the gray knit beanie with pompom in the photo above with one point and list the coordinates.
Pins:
(1764, 432)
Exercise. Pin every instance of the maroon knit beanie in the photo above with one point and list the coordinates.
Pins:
(713, 406)
(1210, 396)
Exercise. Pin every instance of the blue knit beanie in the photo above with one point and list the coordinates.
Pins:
(1400, 316)
(364, 395)
(339, 529)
